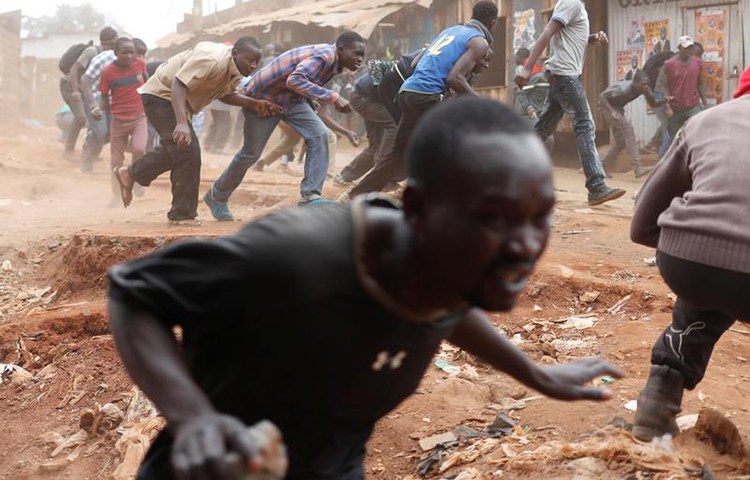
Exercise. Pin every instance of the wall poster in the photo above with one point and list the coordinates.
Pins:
(710, 31)
(627, 62)
(657, 37)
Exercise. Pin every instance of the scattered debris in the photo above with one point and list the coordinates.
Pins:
(717, 430)
(631, 277)
(447, 367)
(584, 211)
(536, 308)
(589, 297)
(631, 406)
(575, 232)
(579, 323)
(617, 307)
(14, 374)
(443, 440)
(566, 272)
(687, 422)
(650, 261)
(7, 266)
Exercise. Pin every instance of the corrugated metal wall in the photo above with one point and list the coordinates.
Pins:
(620, 20)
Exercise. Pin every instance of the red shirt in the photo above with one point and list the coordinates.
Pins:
(682, 79)
(125, 101)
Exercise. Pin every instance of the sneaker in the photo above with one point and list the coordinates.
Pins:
(186, 222)
(640, 171)
(659, 403)
(220, 211)
(604, 195)
(314, 200)
(338, 180)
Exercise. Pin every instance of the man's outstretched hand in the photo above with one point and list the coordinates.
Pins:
(566, 382)
(216, 446)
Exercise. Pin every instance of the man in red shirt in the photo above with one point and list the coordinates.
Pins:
(681, 80)
(121, 79)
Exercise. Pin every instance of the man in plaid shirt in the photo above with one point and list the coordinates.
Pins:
(97, 134)
(292, 81)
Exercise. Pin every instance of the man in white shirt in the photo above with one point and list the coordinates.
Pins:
(568, 35)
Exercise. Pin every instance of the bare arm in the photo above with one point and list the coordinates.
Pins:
(86, 87)
(75, 76)
(457, 78)
(553, 28)
(338, 128)
(478, 336)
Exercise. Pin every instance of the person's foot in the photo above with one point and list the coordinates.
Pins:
(313, 200)
(605, 194)
(344, 198)
(139, 190)
(126, 182)
(339, 181)
(659, 403)
(641, 171)
(186, 222)
(220, 211)
(257, 166)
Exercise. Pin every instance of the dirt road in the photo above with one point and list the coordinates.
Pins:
(593, 294)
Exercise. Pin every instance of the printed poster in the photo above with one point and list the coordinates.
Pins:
(636, 37)
(524, 29)
(627, 62)
(657, 37)
(710, 31)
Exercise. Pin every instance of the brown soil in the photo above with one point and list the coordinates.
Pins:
(62, 235)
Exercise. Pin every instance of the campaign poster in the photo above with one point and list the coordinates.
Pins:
(657, 37)
(636, 36)
(627, 62)
(710, 31)
(524, 29)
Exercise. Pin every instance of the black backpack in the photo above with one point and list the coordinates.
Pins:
(70, 56)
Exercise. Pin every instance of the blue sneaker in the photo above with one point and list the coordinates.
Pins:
(314, 200)
(220, 211)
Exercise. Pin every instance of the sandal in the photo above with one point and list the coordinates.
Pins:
(126, 192)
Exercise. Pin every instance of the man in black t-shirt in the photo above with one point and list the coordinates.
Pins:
(376, 287)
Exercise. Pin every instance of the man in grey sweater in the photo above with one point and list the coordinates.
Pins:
(695, 209)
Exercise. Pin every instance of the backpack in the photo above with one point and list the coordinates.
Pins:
(70, 56)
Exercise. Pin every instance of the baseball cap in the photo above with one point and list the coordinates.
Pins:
(685, 42)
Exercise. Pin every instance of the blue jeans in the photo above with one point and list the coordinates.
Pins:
(301, 117)
(97, 135)
(567, 97)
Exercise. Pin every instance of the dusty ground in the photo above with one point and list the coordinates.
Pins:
(59, 235)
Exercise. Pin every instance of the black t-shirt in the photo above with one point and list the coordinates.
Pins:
(280, 321)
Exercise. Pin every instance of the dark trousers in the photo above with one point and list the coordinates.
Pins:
(393, 167)
(219, 129)
(79, 116)
(183, 163)
(388, 90)
(381, 133)
(709, 300)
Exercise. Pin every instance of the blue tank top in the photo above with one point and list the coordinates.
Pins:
(438, 61)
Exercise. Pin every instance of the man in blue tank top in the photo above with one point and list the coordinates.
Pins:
(446, 64)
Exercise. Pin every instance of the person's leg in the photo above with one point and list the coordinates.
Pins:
(332, 142)
(209, 140)
(572, 97)
(256, 131)
(118, 140)
(393, 167)
(79, 116)
(289, 138)
(96, 138)
(302, 118)
(138, 138)
(161, 116)
(676, 121)
(552, 113)
(631, 146)
(616, 145)
(709, 300)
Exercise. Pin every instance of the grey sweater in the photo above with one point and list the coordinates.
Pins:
(696, 203)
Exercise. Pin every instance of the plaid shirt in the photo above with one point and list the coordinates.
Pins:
(95, 69)
(297, 75)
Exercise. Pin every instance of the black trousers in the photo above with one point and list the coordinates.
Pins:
(388, 90)
(183, 163)
(393, 167)
(709, 300)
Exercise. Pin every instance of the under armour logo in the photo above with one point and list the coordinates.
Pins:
(384, 358)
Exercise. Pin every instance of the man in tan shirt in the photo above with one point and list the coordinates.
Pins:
(181, 87)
